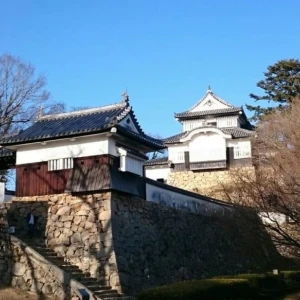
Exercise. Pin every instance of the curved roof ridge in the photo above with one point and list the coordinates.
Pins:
(231, 109)
(88, 111)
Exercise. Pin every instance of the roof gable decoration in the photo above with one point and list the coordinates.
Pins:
(210, 102)
(128, 123)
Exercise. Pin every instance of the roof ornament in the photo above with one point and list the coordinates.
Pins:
(209, 89)
(125, 97)
(40, 112)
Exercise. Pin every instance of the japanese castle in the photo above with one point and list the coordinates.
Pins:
(215, 136)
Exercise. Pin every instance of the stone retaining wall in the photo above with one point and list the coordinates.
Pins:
(156, 244)
(76, 227)
(29, 271)
(135, 244)
(5, 259)
(206, 183)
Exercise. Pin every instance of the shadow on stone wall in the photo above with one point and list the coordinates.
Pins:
(25, 269)
(18, 211)
(156, 244)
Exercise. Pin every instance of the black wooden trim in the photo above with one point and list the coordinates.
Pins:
(187, 159)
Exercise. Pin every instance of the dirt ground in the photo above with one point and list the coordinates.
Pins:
(9, 293)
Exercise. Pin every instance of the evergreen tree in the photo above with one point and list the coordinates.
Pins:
(281, 85)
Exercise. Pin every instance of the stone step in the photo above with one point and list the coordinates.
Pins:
(111, 297)
(121, 297)
(57, 261)
(57, 258)
(43, 250)
(106, 292)
(97, 287)
(69, 268)
(76, 274)
(86, 281)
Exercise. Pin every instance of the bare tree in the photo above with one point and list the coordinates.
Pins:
(22, 93)
(156, 154)
(274, 189)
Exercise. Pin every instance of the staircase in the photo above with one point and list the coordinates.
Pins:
(97, 286)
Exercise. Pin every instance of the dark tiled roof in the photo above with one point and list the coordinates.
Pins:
(143, 137)
(7, 153)
(103, 177)
(175, 138)
(239, 132)
(157, 161)
(67, 124)
(236, 132)
(221, 111)
(81, 123)
(7, 159)
(10, 192)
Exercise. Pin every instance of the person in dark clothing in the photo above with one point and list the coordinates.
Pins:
(31, 220)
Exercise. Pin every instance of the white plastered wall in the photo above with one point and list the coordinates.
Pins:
(207, 146)
(244, 146)
(176, 152)
(238, 142)
(80, 147)
(157, 172)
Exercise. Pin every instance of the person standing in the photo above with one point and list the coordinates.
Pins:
(31, 223)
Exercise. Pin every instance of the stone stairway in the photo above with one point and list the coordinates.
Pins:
(97, 286)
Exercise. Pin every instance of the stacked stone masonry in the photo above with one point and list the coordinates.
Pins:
(27, 270)
(155, 244)
(134, 244)
(210, 183)
(77, 228)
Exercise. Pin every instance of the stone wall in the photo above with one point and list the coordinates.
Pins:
(135, 244)
(208, 183)
(29, 271)
(76, 227)
(5, 259)
(155, 244)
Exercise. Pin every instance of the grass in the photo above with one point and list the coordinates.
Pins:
(204, 289)
(242, 286)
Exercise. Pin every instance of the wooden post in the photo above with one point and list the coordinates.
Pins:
(187, 160)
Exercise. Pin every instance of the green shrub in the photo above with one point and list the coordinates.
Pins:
(291, 275)
(203, 289)
(260, 281)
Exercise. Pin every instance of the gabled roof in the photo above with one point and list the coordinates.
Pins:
(83, 122)
(225, 109)
(220, 111)
(210, 92)
(235, 132)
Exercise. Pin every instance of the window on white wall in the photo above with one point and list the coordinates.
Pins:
(60, 164)
(177, 157)
(227, 122)
(242, 151)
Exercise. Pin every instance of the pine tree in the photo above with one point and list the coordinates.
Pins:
(281, 85)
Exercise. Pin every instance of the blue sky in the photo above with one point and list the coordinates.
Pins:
(164, 52)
